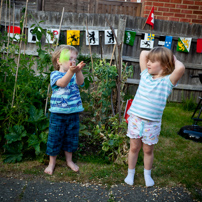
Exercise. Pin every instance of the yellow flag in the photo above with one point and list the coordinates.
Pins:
(73, 37)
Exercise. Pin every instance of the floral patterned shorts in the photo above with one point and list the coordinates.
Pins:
(147, 130)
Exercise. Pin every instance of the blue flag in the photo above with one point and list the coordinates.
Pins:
(168, 42)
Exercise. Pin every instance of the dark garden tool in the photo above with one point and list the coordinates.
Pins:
(194, 132)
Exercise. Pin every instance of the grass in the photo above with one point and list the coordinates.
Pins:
(177, 162)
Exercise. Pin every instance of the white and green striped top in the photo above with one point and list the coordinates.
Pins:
(151, 96)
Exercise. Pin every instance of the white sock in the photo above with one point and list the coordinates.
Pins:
(130, 177)
(147, 177)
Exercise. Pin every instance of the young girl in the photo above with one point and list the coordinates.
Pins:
(160, 72)
(65, 106)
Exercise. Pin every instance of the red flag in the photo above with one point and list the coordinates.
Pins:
(128, 104)
(199, 46)
(16, 29)
(150, 19)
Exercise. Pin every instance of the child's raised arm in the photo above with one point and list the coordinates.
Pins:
(178, 71)
(143, 60)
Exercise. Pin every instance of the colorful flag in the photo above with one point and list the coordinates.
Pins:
(168, 42)
(161, 41)
(109, 37)
(73, 37)
(165, 41)
(32, 38)
(183, 44)
(199, 46)
(129, 37)
(150, 19)
(93, 37)
(128, 104)
(14, 32)
(52, 35)
(147, 41)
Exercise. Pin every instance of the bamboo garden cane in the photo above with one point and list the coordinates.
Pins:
(9, 27)
(18, 62)
(90, 48)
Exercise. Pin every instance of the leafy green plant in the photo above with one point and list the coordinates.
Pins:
(115, 144)
(31, 137)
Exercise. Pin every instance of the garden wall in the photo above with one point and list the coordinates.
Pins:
(192, 60)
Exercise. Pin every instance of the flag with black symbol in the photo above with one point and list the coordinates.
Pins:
(73, 37)
(147, 41)
(93, 37)
(109, 37)
(32, 37)
(129, 37)
(52, 35)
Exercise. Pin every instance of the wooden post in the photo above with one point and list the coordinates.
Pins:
(96, 6)
(119, 41)
(120, 37)
(90, 48)
(5, 16)
(1, 10)
(60, 25)
(18, 62)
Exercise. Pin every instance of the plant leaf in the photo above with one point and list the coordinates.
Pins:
(16, 133)
(34, 142)
(35, 115)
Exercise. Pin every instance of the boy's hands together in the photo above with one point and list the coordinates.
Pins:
(81, 65)
(73, 68)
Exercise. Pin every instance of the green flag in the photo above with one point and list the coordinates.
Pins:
(183, 44)
(129, 37)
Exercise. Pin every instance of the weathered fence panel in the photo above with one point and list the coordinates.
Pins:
(71, 21)
(94, 6)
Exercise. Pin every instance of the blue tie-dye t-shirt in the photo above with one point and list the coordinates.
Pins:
(64, 100)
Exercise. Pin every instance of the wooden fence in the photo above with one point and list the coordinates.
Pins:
(92, 6)
(74, 21)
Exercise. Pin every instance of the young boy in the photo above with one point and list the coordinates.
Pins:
(65, 106)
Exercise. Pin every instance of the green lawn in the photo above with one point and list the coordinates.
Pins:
(177, 162)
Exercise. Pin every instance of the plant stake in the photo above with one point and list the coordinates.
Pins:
(16, 75)
(60, 26)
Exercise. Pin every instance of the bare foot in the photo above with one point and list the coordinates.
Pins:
(73, 166)
(49, 170)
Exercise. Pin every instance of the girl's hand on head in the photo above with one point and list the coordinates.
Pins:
(81, 65)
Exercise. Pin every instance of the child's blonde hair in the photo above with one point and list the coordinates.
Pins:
(56, 54)
(165, 57)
